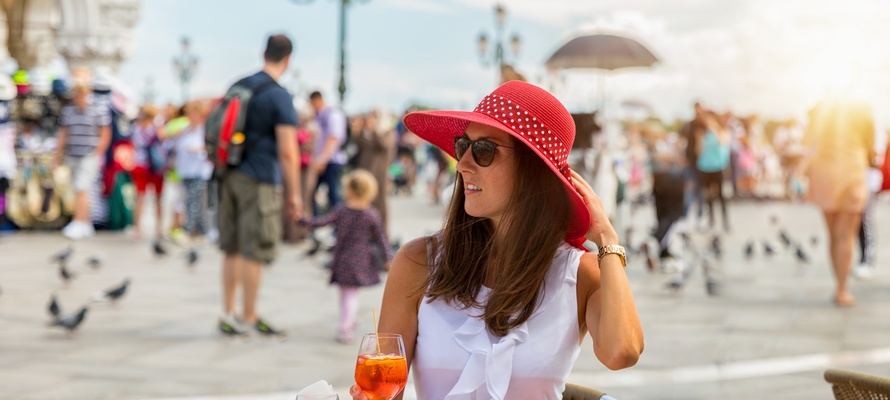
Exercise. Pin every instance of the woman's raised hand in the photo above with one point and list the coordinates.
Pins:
(601, 231)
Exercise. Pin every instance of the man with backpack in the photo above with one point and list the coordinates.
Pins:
(260, 159)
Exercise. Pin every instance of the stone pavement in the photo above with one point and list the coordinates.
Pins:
(770, 334)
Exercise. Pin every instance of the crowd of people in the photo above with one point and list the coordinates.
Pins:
(836, 160)
(517, 230)
(80, 158)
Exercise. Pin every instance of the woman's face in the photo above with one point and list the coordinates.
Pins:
(487, 190)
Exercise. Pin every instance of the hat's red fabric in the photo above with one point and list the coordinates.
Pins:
(528, 113)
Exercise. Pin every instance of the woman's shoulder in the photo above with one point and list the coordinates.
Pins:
(588, 273)
(409, 268)
(416, 251)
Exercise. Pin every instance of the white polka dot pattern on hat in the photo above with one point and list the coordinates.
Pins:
(529, 128)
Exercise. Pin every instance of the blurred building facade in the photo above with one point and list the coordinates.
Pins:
(86, 33)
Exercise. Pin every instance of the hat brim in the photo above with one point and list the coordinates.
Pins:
(441, 127)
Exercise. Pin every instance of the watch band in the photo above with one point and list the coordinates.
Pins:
(613, 249)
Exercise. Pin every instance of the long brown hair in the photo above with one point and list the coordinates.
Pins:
(518, 256)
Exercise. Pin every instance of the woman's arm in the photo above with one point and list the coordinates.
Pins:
(609, 312)
(605, 301)
(402, 297)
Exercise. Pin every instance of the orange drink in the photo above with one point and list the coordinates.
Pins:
(381, 377)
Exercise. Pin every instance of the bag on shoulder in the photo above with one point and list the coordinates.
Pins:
(714, 155)
(157, 158)
(224, 134)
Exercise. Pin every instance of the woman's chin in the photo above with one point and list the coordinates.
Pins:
(473, 211)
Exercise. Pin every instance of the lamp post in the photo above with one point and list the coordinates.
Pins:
(344, 4)
(498, 57)
(185, 65)
(294, 86)
(148, 94)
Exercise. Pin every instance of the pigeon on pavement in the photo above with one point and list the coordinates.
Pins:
(749, 250)
(675, 284)
(66, 275)
(113, 294)
(95, 261)
(63, 256)
(71, 322)
(192, 257)
(158, 250)
(786, 240)
(54, 308)
(679, 280)
(801, 256)
(767, 249)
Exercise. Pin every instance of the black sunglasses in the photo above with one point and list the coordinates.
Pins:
(483, 150)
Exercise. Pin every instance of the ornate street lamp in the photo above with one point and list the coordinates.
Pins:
(341, 88)
(149, 93)
(498, 56)
(185, 65)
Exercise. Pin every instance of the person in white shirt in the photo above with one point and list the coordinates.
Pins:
(194, 168)
(496, 305)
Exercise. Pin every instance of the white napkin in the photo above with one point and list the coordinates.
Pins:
(320, 388)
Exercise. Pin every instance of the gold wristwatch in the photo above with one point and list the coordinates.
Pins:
(613, 249)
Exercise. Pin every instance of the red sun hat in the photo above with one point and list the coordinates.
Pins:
(528, 113)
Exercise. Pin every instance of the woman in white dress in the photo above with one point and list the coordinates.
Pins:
(496, 305)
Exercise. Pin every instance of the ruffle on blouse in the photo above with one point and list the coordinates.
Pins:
(492, 364)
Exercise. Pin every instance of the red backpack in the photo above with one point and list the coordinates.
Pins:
(224, 134)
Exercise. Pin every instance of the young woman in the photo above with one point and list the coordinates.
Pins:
(713, 158)
(840, 136)
(496, 305)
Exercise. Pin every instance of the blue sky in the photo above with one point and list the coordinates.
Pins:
(773, 57)
(397, 51)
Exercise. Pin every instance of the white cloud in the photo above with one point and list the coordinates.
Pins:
(774, 58)
(765, 56)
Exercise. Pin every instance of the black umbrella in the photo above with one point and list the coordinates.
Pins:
(601, 51)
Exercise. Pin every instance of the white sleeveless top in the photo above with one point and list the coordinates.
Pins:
(456, 358)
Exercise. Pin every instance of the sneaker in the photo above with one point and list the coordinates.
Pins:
(264, 328)
(229, 326)
(88, 230)
(863, 271)
(212, 236)
(77, 230)
(69, 230)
